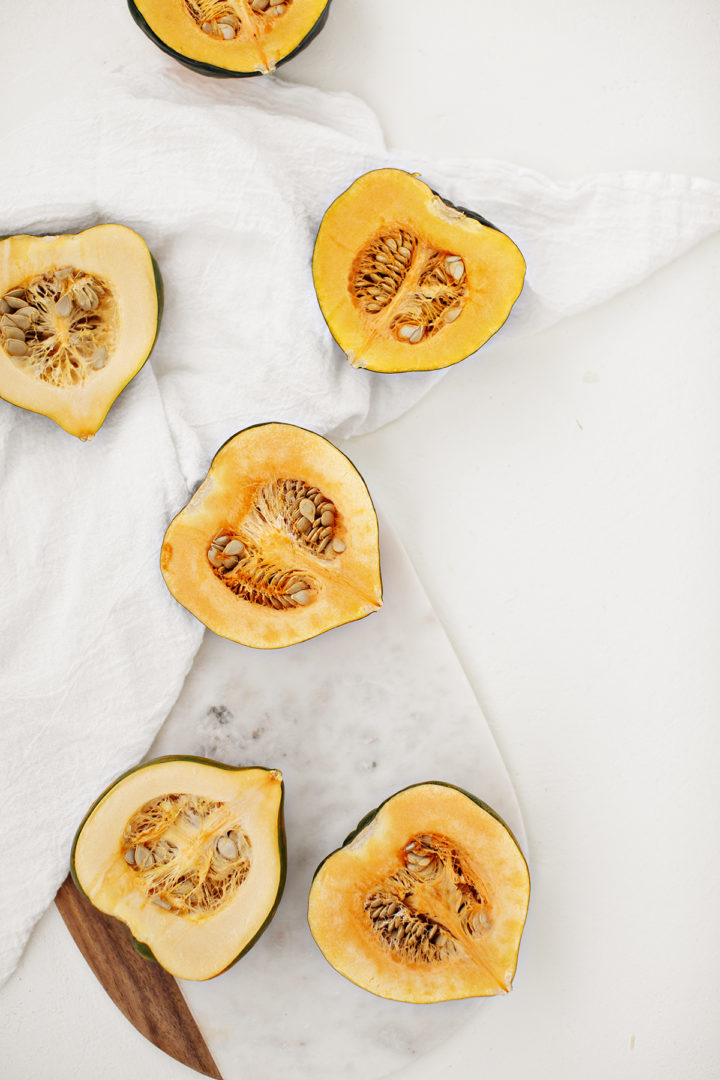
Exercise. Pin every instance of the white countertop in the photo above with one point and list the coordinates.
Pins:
(574, 565)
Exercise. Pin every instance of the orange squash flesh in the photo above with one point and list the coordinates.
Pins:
(378, 205)
(263, 39)
(455, 890)
(342, 586)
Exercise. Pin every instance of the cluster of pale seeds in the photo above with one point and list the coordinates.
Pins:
(434, 298)
(411, 933)
(59, 326)
(224, 19)
(380, 269)
(251, 577)
(309, 515)
(286, 506)
(158, 839)
(398, 913)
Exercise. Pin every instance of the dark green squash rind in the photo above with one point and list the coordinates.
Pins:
(466, 212)
(140, 946)
(144, 950)
(212, 70)
(282, 849)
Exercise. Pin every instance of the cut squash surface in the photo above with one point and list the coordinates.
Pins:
(79, 314)
(231, 37)
(425, 901)
(279, 543)
(190, 854)
(408, 282)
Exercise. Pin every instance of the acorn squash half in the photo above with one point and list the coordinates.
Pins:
(79, 314)
(279, 543)
(408, 282)
(231, 38)
(426, 900)
(190, 854)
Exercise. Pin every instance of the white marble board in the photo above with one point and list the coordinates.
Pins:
(349, 717)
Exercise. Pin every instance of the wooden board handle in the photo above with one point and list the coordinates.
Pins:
(148, 996)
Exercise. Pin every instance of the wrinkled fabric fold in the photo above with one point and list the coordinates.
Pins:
(227, 184)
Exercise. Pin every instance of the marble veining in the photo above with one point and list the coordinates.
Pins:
(349, 717)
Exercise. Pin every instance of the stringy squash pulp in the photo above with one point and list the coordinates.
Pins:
(190, 854)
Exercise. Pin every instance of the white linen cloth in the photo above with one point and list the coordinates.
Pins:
(227, 183)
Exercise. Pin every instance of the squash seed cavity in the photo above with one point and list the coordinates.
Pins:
(59, 327)
(188, 854)
(229, 19)
(283, 508)
(431, 908)
(407, 284)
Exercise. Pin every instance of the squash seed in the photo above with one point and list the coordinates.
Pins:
(64, 305)
(188, 874)
(143, 857)
(296, 587)
(215, 558)
(455, 265)
(338, 546)
(443, 893)
(226, 847)
(16, 348)
(283, 505)
(66, 317)
(378, 277)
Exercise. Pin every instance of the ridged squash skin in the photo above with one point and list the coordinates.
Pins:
(368, 305)
(201, 946)
(168, 25)
(119, 256)
(342, 586)
(433, 868)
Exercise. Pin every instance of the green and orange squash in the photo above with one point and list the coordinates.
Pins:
(408, 282)
(231, 38)
(426, 900)
(279, 543)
